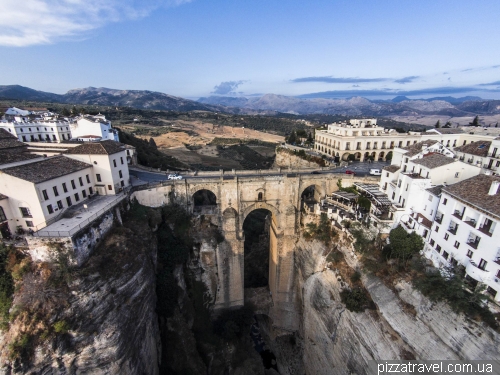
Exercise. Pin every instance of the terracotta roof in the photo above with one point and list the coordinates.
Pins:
(423, 220)
(436, 190)
(478, 148)
(413, 150)
(6, 143)
(4, 134)
(432, 161)
(391, 168)
(474, 191)
(100, 148)
(46, 169)
(13, 157)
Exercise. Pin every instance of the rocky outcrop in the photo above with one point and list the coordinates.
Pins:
(108, 307)
(288, 160)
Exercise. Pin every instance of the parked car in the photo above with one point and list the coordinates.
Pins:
(376, 172)
(348, 171)
(174, 177)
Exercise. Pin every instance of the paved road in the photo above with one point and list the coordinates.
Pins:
(362, 168)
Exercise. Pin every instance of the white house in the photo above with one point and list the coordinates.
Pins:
(93, 128)
(465, 230)
(109, 161)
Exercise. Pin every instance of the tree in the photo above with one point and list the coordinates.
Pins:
(475, 122)
(364, 203)
(389, 156)
(403, 245)
(438, 124)
(152, 143)
(339, 183)
(310, 138)
(447, 125)
(292, 138)
(351, 157)
(65, 112)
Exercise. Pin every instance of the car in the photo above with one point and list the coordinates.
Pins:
(174, 177)
(348, 171)
(375, 172)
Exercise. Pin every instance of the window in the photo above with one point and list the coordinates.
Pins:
(84, 194)
(407, 187)
(98, 176)
(59, 205)
(122, 183)
(91, 191)
(24, 138)
(432, 242)
(110, 187)
(45, 195)
(56, 193)
(445, 201)
(77, 197)
(120, 174)
(438, 248)
(88, 178)
(404, 201)
(2, 215)
(25, 211)
(432, 212)
(393, 195)
(456, 175)
(68, 201)
(498, 164)
(63, 137)
(430, 198)
(65, 189)
(53, 137)
(445, 255)
(80, 180)
(29, 224)
(491, 291)
(121, 159)
(73, 185)
(406, 160)
(446, 236)
(437, 229)
(387, 174)
(50, 209)
(399, 183)
(457, 244)
(469, 253)
(114, 163)
(482, 264)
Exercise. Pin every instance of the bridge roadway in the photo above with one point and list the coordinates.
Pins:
(237, 194)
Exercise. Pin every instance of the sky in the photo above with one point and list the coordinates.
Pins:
(315, 48)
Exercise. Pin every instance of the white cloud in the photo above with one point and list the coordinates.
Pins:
(30, 22)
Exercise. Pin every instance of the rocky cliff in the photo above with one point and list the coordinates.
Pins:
(97, 319)
(286, 159)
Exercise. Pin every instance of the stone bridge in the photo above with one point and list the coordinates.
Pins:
(237, 197)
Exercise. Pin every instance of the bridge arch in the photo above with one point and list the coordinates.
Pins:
(260, 205)
(312, 188)
(204, 197)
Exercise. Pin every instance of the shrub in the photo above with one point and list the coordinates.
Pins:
(322, 231)
(354, 299)
(19, 346)
(61, 327)
(356, 276)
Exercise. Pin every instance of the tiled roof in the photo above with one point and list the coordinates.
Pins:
(436, 190)
(4, 134)
(99, 148)
(13, 157)
(47, 169)
(6, 143)
(449, 130)
(422, 219)
(479, 148)
(432, 161)
(474, 191)
(391, 168)
(413, 150)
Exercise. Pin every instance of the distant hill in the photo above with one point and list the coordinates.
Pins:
(140, 99)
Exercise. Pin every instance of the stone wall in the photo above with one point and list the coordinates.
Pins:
(287, 160)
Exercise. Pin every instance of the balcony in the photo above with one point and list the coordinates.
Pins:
(473, 242)
(453, 230)
(439, 219)
(471, 222)
(473, 270)
(459, 214)
(486, 229)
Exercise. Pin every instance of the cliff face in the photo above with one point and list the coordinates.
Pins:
(286, 160)
(108, 309)
(404, 324)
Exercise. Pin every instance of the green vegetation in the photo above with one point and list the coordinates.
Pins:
(322, 231)
(61, 327)
(6, 285)
(20, 346)
(355, 299)
(475, 122)
(403, 245)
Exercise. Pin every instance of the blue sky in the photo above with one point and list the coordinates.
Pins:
(193, 48)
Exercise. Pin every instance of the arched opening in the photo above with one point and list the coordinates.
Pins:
(203, 201)
(257, 229)
(357, 155)
(345, 157)
(259, 197)
(381, 156)
(310, 196)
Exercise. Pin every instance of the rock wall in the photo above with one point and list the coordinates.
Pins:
(109, 306)
(286, 160)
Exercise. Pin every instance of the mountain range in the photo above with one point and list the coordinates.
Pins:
(268, 103)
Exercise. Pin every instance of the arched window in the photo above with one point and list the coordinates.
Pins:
(260, 196)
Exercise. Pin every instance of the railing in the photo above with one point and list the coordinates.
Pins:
(438, 219)
(477, 273)
(458, 214)
(485, 230)
(83, 224)
(473, 243)
(453, 230)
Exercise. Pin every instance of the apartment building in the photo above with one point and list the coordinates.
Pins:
(109, 161)
(35, 191)
(465, 230)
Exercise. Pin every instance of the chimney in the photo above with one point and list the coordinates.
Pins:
(494, 187)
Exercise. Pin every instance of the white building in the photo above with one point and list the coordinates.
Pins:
(465, 230)
(93, 128)
(109, 161)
